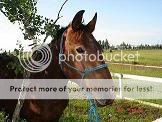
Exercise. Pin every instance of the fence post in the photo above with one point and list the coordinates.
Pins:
(120, 85)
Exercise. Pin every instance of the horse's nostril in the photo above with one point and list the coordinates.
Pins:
(80, 50)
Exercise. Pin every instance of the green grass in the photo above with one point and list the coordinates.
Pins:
(151, 72)
(147, 57)
(159, 101)
(120, 111)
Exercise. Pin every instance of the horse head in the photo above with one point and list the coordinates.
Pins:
(81, 55)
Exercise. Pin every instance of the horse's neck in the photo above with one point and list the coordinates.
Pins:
(53, 71)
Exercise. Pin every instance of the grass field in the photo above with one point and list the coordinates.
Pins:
(151, 72)
(147, 57)
(121, 111)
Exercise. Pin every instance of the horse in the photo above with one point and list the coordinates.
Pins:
(76, 38)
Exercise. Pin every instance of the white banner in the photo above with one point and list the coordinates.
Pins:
(79, 89)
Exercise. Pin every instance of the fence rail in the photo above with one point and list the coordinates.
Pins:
(136, 77)
(136, 65)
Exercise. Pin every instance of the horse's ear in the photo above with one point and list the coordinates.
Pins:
(77, 20)
(91, 25)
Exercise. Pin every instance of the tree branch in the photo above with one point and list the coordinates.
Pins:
(58, 15)
(45, 38)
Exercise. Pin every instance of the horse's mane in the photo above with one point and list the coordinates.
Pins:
(57, 38)
(60, 32)
(62, 29)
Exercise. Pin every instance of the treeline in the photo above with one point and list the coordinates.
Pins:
(125, 46)
(104, 44)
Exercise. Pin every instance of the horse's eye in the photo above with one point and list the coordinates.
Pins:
(80, 50)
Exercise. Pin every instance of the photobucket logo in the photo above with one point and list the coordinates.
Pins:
(79, 57)
(37, 60)
(120, 56)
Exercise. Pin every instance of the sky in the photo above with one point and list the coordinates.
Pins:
(132, 21)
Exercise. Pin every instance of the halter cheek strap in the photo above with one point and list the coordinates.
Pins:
(83, 73)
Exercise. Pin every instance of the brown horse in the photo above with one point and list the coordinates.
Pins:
(77, 38)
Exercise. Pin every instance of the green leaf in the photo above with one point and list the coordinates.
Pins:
(1, 5)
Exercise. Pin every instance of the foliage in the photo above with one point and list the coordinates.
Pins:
(107, 45)
(104, 44)
(16, 67)
(11, 63)
(25, 13)
(126, 46)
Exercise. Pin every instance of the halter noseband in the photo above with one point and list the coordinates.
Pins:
(83, 73)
